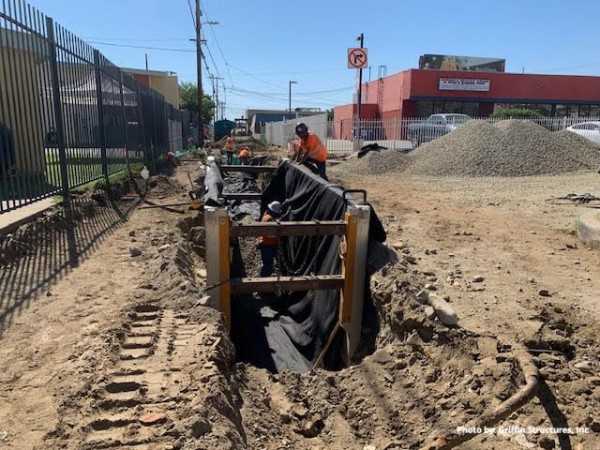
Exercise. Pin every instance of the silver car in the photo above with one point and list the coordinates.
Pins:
(434, 126)
(589, 130)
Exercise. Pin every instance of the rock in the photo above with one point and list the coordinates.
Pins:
(429, 312)
(478, 278)
(584, 366)
(544, 293)
(399, 245)
(311, 428)
(381, 356)
(444, 310)
(546, 442)
(134, 251)
(299, 411)
(423, 297)
(151, 419)
(132, 233)
(410, 259)
(487, 346)
(162, 248)
(200, 427)
(204, 301)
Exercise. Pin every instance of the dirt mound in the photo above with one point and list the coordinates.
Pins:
(372, 163)
(162, 185)
(509, 148)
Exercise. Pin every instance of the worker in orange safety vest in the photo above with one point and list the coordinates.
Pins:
(244, 156)
(229, 147)
(268, 244)
(311, 149)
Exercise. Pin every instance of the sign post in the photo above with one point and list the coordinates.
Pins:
(358, 59)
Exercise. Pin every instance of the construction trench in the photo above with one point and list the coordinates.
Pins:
(317, 312)
(309, 313)
(345, 346)
(166, 337)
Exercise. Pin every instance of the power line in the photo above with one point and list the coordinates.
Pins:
(143, 47)
(134, 40)
(192, 14)
(220, 50)
(295, 93)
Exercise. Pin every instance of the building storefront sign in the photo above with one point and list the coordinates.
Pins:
(464, 84)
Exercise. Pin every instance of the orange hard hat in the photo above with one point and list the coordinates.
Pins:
(244, 153)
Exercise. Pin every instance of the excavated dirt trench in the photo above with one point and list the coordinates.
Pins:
(165, 374)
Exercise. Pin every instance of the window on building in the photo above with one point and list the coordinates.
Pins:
(424, 108)
(470, 109)
(584, 110)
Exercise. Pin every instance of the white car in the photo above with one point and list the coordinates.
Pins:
(589, 130)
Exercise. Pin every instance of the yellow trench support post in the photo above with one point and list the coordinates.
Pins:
(218, 260)
(354, 267)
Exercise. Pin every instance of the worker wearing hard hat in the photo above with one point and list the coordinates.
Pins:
(229, 147)
(244, 156)
(268, 245)
(310, 149)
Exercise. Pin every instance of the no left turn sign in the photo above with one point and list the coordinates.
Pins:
(357, 58)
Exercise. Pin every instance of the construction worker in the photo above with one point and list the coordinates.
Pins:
(311, 149)
(268, 244)
(244, 156)
(229, 147)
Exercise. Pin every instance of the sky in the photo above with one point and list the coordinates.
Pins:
(259, 47)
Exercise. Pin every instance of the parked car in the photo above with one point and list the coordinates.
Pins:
(434, 126)
(589, 130)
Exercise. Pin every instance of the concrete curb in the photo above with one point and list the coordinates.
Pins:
(11, 221)
(588, 228)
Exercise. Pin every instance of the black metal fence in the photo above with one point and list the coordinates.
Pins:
(68, 116)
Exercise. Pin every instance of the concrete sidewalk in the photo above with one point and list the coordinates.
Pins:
(10, 220)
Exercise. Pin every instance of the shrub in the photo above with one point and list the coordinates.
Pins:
(516, 113)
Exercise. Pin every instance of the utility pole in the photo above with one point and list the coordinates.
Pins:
(216, 94)
(199, 68)
(290, 96)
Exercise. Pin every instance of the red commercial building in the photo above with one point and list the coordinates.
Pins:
(422, 92)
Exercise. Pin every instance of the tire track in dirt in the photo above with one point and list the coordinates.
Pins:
(140, 396)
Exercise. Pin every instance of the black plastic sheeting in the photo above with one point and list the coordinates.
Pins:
(288, 332)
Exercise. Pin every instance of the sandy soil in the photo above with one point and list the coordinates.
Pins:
(124, 351)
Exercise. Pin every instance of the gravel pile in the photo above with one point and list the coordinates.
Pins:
(373, 162)
(509, 148)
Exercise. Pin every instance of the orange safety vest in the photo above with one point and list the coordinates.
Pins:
(313, 148)
(268, 240)
(229, 144)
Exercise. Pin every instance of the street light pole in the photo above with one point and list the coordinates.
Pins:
(290, 96)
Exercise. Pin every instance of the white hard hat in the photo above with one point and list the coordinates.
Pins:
(275, 207)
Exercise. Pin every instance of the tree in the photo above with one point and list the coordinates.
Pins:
(188, 100)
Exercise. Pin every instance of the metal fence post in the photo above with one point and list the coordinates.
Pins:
(100, 115)
(62, 152)
(124, 123)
